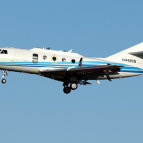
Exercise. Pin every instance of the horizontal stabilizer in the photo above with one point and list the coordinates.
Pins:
(137, 54)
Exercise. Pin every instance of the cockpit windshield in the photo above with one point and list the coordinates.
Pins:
(3, 51)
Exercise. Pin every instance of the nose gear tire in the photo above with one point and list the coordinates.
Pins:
(3, 81)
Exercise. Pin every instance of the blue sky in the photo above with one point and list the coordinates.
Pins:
(35, 109)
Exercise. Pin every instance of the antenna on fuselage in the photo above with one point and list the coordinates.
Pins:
(80, 62)
(70, 51)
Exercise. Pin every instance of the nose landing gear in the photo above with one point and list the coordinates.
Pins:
(4, 73)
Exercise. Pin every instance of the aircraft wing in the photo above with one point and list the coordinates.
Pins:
(83, 69)
(58, 74)
(93, 68)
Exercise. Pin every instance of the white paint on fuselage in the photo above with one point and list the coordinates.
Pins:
(20, 60)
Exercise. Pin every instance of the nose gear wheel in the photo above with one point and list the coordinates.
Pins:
(3, 81)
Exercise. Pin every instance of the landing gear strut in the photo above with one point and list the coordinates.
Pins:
(4, 73)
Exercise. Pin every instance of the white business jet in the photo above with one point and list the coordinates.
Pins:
(71, 68)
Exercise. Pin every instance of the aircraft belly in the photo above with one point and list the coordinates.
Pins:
(119, 75)
(112, 75)
(33, 70)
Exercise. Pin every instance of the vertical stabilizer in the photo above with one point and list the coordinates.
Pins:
(131, 56)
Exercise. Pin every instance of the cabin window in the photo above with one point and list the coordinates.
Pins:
(44, 57)
(3, 51)
(63, 59)
(35, 58)
(73, 61)
(54, 58)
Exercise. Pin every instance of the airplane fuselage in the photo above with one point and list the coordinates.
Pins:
(33, 60)
(50, 63)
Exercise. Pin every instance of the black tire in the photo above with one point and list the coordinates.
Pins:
(3, 81)
(67, 90)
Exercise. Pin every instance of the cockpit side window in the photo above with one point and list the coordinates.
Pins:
(3, 51)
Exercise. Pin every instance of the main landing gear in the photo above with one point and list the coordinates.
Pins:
(67, 89)
(4, 73)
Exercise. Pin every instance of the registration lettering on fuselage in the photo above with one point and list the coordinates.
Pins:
(129, 60)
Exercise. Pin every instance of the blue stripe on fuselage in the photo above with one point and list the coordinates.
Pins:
(126, 68)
